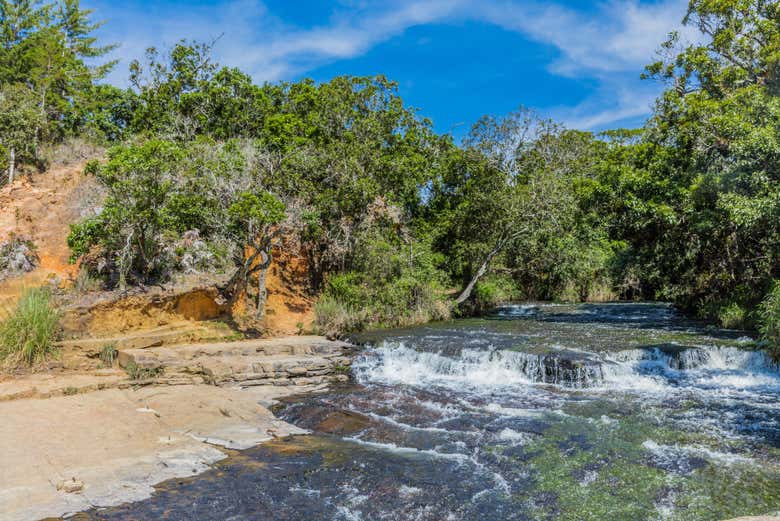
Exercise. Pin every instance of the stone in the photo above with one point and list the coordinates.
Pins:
(71, 486)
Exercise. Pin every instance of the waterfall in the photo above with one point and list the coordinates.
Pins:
(398, 363)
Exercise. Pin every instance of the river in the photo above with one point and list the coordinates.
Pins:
(540, 412)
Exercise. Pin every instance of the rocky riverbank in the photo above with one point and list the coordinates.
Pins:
(71, 442)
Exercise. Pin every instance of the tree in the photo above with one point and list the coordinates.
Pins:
(140, 181)
(45, 47)
(255, 218)
(19, 117)
(160, 191)
(503, 188)
(710, 165)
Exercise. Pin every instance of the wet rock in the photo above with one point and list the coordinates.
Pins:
(343, 423)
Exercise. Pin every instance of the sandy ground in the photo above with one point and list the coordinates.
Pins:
(120, 442)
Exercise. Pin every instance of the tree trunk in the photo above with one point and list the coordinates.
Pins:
(11, 166)
(466, 293)
(262, 291)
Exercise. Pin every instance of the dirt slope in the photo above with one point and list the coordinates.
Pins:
(41, 207)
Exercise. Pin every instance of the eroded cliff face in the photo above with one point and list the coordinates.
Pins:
(41, 208)
(110, 313)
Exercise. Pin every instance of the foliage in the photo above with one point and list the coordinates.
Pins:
(136, 372)
(180, 208)
(215, 172)
(335, 318)
(48, 58)
(494, 290)
(769, 318)
(733, 316)
(19, 121)
(389, 287)
(28, 334)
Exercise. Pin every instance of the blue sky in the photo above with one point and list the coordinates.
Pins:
(572, 60)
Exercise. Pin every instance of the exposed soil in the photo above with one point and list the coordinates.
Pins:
(41, 208)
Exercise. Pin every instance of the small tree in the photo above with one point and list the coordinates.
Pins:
(140, 182)
(254, 222)
(19, 119)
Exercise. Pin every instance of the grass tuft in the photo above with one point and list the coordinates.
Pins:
(108, 355)
(136, 372)
(28, 333)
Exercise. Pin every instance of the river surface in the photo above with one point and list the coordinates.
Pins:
(541, 412)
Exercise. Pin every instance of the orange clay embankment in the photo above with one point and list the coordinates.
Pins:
(42, 207)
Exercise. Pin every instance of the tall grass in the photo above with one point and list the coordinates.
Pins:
(28, 333)
(348, 306)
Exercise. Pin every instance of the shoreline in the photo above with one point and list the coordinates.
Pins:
(66, 452)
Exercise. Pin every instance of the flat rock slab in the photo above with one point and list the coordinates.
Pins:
(278, 361)
(46, 385)
(70, 453)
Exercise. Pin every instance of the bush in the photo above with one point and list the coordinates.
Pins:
(733, 316)
(334, 317)
(86, 282)
(494, 290)
(351, 304)
(769, 321)
(136, 372)
(28, 334)
(71, 151)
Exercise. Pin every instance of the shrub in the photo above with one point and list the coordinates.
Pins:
(73, 150)
(27, 335)
(769, 321)
(733, 316)
(86, 281)
(136, 372)
(350, 304)
(493, 291)
(334, 317)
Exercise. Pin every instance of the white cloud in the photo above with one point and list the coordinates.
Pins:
(609, 45)
(613, 103)
(618, 36)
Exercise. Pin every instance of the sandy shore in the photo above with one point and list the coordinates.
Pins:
(109, 447)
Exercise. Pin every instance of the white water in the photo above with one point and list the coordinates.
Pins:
(706, 367)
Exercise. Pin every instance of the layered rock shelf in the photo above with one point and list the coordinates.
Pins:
(298, 360)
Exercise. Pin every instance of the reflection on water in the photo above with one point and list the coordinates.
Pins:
(595, 412)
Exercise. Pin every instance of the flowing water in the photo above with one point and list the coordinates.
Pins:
(542, 412)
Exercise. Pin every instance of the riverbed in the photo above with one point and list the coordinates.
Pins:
(539, 412)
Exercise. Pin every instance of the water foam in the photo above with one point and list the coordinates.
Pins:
(395, 363)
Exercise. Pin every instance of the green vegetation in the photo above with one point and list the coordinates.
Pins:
(494, 290)
(108, 355)
(769, 311)
(136, 372)
(28, 334)
(209, 172)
